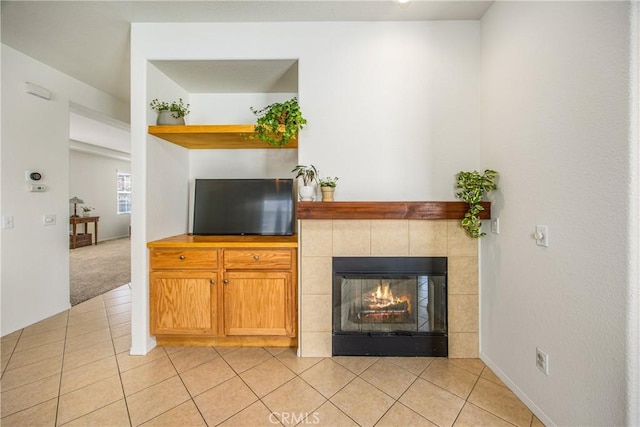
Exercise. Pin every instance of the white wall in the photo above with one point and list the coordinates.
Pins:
(557, 123)
(93, 178)
(391, 109)
(226, 108)
(159, 187)
(35, 135)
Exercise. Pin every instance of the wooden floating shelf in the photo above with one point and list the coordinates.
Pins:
(213, 136)
(387, 210)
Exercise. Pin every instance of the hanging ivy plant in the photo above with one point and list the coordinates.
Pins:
(473, 187)
(278, 123)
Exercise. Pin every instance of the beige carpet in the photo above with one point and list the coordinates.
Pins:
(97, 269)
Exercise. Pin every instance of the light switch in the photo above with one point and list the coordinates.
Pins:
(49, 219)
(7, 221)
(37, 188)
(542, 235)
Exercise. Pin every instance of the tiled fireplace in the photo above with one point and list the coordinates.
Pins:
(323, 239)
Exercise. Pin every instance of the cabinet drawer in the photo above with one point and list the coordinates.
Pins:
(257, 258)
(183, 259)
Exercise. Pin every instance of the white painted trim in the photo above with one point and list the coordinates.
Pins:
(141, 351)
(632, 416)
(98, 116)
(519, 393)
(83, 147)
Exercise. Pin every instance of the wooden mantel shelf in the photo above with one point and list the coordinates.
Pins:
(387, 210)
(212, 136)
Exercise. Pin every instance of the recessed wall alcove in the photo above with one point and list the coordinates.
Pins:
(232, 76)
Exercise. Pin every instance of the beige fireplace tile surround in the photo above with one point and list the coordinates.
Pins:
(320, 240)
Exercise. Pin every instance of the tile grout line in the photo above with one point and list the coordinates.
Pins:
(259, 399)
(115, 356)
(301, 379)
(405, 391)
(191, 397)
(60, 389)
(13, 350)
(117, 365)
(64, 347)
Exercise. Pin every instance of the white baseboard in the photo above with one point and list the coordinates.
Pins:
(518, 392)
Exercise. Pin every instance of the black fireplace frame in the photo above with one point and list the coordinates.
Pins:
(394, 343)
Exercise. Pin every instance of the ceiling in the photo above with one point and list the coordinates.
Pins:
(89, 40)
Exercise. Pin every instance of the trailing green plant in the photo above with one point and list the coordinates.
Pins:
(177, 108)
(309, 174)
(329, 181)
(278, 123)
(473, 188)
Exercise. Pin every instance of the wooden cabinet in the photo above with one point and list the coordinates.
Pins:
(183, 303)
(258, 292)
(183, 294)
(213, 290)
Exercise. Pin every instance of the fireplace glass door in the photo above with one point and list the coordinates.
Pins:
(390, 306)
(384, 303)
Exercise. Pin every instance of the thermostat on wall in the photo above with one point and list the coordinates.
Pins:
(32, 176)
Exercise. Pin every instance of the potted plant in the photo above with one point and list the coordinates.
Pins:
(278, 123)
(328, 187)
(309, 175)
(86, 210)
(170, 113)
(473, 188)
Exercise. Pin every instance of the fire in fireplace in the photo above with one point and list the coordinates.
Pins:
(390, 306)
(381, 306)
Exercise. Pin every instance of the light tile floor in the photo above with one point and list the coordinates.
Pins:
(74, 369)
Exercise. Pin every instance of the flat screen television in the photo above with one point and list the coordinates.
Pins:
(263, 207)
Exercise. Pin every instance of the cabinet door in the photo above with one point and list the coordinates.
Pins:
(183, 303)
(258, 303)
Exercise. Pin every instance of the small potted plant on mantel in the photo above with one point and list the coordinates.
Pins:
(170, 113)
(278, 123)
(309, 175)
(473, 188)
(328, 188)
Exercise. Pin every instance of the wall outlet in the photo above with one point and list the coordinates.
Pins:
(542, 361)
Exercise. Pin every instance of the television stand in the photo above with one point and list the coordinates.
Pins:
(224, 290)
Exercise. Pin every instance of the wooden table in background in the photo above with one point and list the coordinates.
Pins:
(75, 220)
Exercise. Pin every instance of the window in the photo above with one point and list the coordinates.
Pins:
(124, 192)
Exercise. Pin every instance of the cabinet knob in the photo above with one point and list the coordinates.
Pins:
(181, 256)
(212, 281)
(225, 281)
(256, 257)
